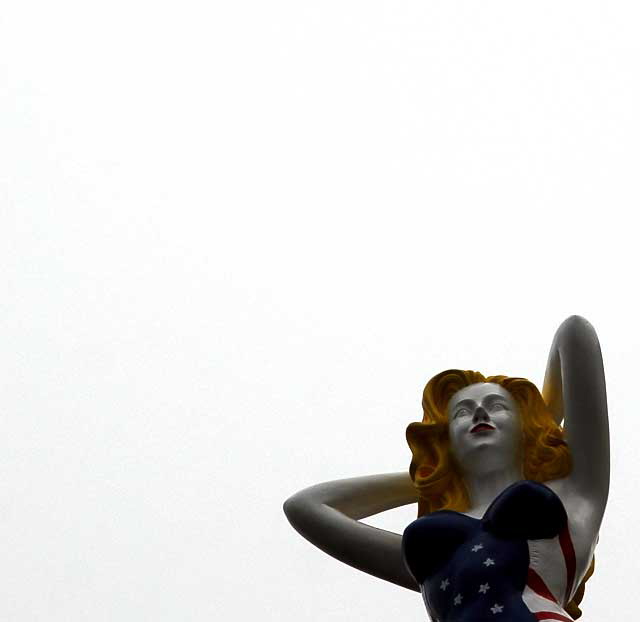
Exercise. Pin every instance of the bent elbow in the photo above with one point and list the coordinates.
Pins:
(294, 510)
(577, 334)
(578, 327)
(288, 507)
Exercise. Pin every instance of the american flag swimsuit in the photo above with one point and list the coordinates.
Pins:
(489, 569)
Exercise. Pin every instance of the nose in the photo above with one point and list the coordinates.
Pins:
(480, 414)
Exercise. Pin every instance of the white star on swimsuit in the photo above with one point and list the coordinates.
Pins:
(484, 588)
(444, 584)
(458, 599)
(477, 547)
(488, 562)
(497, 608)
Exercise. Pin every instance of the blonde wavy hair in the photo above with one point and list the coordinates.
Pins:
(434, 471)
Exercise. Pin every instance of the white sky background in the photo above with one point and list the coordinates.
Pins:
(237, 239)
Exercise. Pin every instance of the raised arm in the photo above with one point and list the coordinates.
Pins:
(574, 388)
(328, 516)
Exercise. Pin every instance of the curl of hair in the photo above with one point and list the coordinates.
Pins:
(434, 472)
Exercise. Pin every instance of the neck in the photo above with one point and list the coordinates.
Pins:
(484, 487)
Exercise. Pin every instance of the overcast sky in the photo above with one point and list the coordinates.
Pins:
(236, 240)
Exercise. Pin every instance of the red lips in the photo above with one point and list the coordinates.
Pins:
(480, 427)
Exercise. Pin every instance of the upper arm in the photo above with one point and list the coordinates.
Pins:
(575, 386)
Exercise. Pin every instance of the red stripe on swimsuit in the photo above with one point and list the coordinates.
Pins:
(537, 584)
(569, 559)
(551, 615)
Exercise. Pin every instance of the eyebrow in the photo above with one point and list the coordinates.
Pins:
(465, 402)
(492, 397)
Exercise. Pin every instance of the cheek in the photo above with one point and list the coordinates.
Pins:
(456, 440)
(515, 431)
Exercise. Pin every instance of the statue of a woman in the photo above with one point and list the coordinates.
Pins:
(509, 503)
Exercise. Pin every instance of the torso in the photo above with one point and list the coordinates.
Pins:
(522, 561)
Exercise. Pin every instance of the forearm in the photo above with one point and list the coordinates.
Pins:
(552, 387)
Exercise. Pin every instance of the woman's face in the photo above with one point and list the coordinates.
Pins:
(485, 429)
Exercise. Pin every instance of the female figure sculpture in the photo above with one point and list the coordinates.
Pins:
(509, 503)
